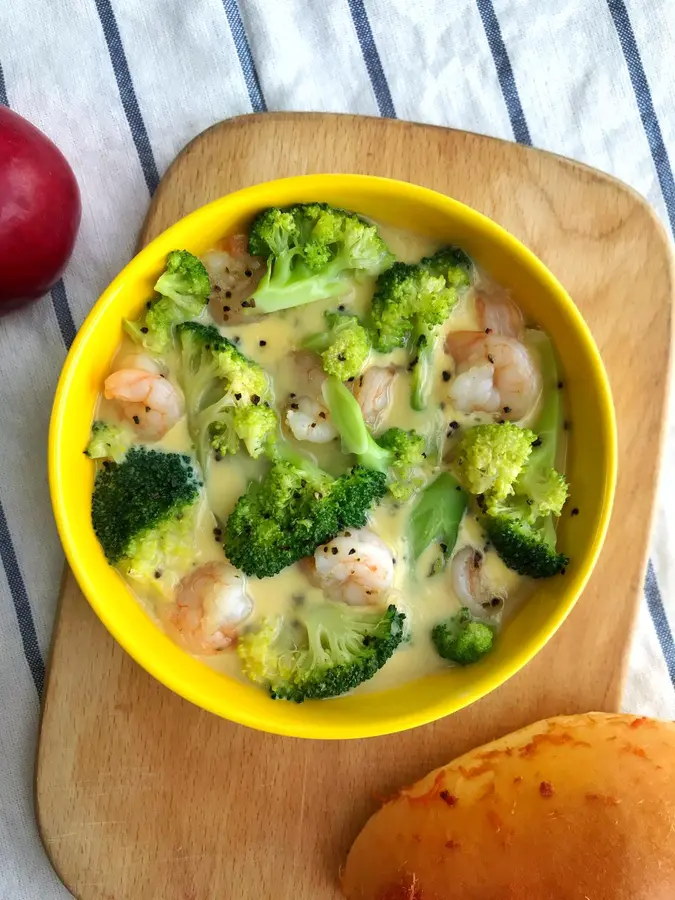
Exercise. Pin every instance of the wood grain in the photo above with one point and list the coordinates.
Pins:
(140, 794)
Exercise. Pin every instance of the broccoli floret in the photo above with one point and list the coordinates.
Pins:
(410, 305)
(520, 526)
(311, 249)
(462, 640)
(397, 452)
(222, 438)
(525, 548)
(184, 288)
(344, 347)
(488, 458)
(407, 449)
(328, 650)
(255, 426)
(108, 441)
(143, 512)
(215, 377)
(292, 510)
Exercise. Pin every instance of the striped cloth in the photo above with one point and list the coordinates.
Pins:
(122, 85)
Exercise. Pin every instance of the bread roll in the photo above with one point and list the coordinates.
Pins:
(571, 808)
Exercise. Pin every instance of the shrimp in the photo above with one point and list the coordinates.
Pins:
(498, 314)
(146, 399)
(373, 392)
(469, 584)
(494, 374)
(356, 567)
(210, 605)
(235, 275)
(309, 420)
(309, 373)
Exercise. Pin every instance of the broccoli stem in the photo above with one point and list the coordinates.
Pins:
(422, 373)
(437, 515)
(348, 419)
(549, 421)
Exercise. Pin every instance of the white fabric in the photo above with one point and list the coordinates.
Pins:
(439, 66)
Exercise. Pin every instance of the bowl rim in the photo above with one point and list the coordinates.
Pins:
(391, 724)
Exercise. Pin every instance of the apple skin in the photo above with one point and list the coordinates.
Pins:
(40, 212)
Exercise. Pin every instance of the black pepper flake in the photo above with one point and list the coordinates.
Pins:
(369, 593)
(262, 343)
(546, 789)
(351, 552)
(348, 534)
(342, 357)
(294, 405)
(424, 456)
(488, 331)
(341, 307)
(237, 396)
(477, 559)
(413, 363)
(226, 308)
(537, 443)
(217, 531)
(444, 547)
(563, 570)
(255, 399)
(313, 425)
(158, 573)
(228, 294)
(218, 456)
(291, 395)
(248, 273)
(506, 409)
(144, 330)
(334, 551)
(322, 415)
(491, 358)
(446, 375)
(393, 561)
(350, 380)
(575, 511)
(325, 549)
(147, 409)
(454, 424)
(566, 425)
(236, 339)
(245, 304)
(448, 798)
(458, 488)
(560, 385)
(226, 318)
(149, 304)
(136, 420)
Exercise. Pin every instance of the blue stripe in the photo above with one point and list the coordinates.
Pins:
(664, 172)
(128, 94)
(658, 614)
(63, 314)
(507, 81)
(643, 95)
(3, 89)
(372, 59)
(246, 62)
(22, 608)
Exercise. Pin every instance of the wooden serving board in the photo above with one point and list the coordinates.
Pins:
(141, 795)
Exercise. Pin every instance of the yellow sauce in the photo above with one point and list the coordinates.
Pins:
(271, 341)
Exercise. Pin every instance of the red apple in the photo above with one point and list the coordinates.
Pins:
(39, 212)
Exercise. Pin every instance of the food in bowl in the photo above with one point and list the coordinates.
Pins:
(329, 455)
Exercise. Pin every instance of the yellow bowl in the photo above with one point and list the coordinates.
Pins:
(591, 460)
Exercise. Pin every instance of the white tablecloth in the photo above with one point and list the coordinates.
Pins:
(122, 85)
